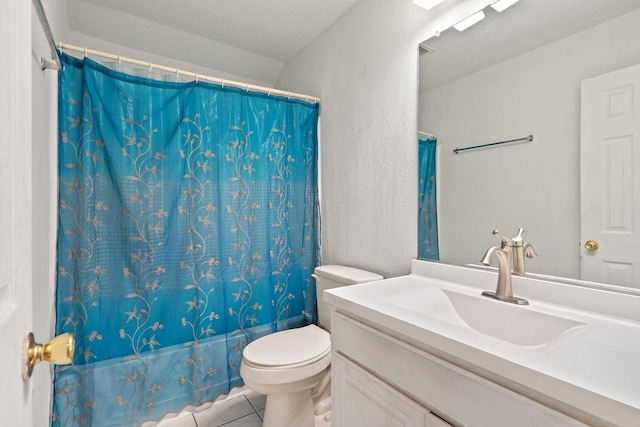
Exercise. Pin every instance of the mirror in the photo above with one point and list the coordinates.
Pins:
(514, 74)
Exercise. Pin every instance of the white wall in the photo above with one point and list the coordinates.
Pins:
(532, 185)
(131, 29)
(364, 68)
(83, 40)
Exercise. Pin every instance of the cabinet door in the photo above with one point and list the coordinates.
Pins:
(360, 399)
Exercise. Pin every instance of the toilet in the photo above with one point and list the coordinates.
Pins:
(292, 367)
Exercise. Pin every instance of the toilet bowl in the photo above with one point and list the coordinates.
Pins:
(285, 367)
(292, 367)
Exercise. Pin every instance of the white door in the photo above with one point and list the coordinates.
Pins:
(28, 210)
(16, 190)
(610, 178)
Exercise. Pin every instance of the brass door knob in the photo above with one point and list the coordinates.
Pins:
(591, 245)
(58, 351)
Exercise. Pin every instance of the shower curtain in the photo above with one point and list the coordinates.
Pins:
(427, 211)
(188, 226)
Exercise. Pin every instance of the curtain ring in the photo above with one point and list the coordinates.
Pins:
(85, 52)
(222, 83)
(269, 92)
(289, 97)
(119, 61)
(196, 78)
(247, 89)
(150, 66)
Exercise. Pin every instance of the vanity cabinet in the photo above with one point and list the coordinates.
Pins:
(381, 380)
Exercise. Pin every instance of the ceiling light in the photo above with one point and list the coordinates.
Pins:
(501, 5)
(467, 22)
(428, 4)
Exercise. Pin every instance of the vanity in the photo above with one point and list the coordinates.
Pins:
(427, 349)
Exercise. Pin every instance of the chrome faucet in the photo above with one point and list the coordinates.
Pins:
(510, 255)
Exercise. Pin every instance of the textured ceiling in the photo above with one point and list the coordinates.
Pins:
(527, 25)
(229, 35)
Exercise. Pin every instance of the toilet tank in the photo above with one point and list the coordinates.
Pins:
(335, 276)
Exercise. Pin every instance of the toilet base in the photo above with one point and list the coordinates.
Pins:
(289, 410)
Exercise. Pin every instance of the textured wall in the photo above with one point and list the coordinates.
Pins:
(364, 67)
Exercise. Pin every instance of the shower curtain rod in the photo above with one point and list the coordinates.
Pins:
(54, 63)
(427, 134)
(196, 76)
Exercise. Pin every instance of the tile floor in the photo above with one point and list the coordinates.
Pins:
(240, 410)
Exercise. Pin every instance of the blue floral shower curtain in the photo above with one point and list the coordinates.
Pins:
(427, 211)
(188, 226)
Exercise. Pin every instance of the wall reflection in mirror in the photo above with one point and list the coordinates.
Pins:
(518, 73)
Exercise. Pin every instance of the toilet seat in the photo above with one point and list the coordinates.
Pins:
(289, 349)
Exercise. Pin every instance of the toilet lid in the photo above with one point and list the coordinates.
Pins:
(290, 347)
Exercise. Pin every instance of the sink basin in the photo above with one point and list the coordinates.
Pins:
(520, 325)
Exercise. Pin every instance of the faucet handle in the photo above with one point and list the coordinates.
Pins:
(505, 241)
(518, 238)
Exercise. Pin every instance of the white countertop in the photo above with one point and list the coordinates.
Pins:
(591, 371)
